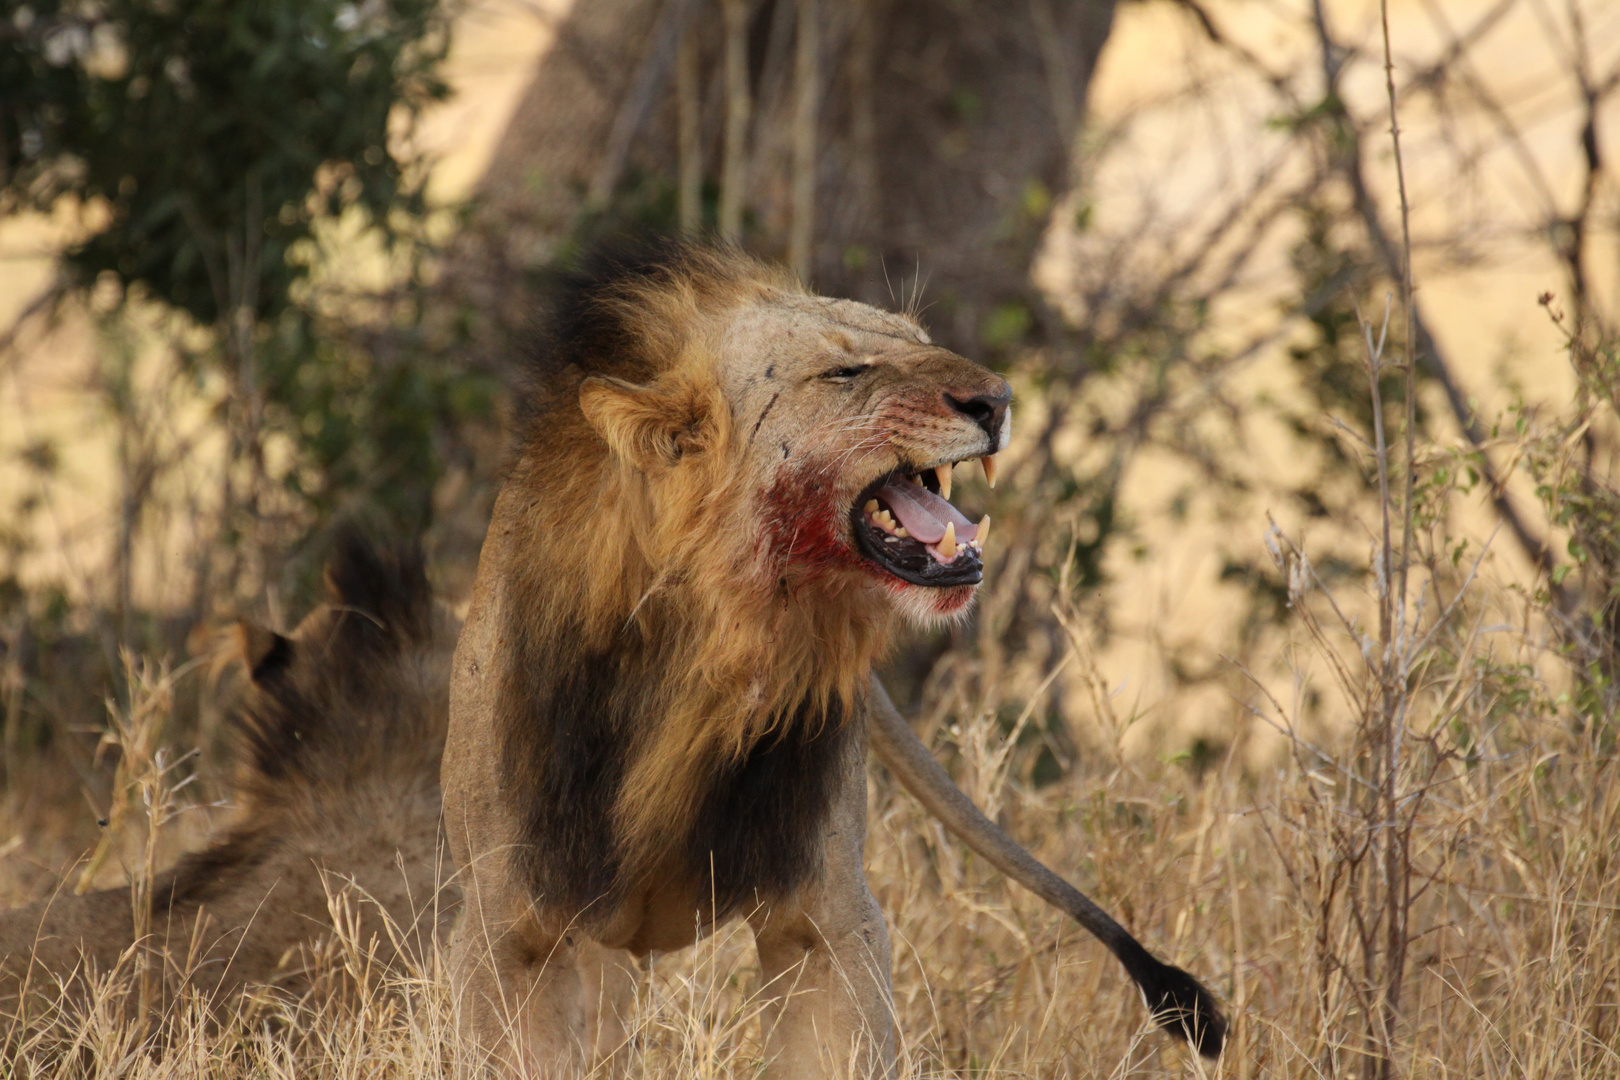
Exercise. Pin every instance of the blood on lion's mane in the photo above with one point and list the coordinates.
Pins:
(667, 663)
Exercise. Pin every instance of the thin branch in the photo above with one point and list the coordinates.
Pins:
(1428, 352)
(1207, 24)
(638, 101)
(1397, 854)
(733, 172)
(806, 113)
(689, 105)
(44, 303)
(1059, 82)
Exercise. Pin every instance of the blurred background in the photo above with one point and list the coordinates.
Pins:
(271, 268)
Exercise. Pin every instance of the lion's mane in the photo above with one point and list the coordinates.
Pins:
(656, 673)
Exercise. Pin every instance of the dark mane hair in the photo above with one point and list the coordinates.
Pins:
(589, 326)
(579, 329)
(602, 670)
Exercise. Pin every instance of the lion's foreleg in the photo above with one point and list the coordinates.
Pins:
(610, 978)
(831, 1013)
(825, 961)
(519, 998)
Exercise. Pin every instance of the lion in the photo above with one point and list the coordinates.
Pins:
(725, 495)
(338, 741)
(660, 785)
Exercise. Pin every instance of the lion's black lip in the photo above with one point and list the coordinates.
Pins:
(908, 559)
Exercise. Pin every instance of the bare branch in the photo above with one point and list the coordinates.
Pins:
(639, 101)
(806, 113)
(738, 110)
(1428, 352)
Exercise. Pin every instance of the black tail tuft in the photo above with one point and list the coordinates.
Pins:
(1183, 1007)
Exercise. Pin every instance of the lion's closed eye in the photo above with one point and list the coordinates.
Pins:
(844, 374)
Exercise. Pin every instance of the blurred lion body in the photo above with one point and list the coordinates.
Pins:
(335, 791)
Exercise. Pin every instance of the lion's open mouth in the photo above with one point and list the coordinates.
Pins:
(906, 524)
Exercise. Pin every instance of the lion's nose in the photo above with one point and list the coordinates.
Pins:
(989, 411)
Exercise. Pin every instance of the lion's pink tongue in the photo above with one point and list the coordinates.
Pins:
(923, 513)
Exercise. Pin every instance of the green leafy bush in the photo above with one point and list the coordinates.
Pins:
(210, 136)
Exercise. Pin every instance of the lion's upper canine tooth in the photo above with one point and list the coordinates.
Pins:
(989, 463)
(942, 473)
(981, 532)
(947, 543)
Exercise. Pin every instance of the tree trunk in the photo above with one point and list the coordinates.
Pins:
(941, 136)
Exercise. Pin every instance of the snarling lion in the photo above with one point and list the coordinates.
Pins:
(338, 741)
(726, 493)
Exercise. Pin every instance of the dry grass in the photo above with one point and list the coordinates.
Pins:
(1262, 881)
(1421, 881)
(1418, 879)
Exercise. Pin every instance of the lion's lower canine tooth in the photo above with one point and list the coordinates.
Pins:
(989, 463)
(947, 545)
(981, 532)
(871, 506)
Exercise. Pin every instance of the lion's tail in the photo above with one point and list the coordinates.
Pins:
(1180, 1004)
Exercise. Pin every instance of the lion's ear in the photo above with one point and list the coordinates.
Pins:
(255, 649)
(260, 649)
(648, 426)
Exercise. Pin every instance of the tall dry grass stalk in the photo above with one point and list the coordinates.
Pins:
(146, 797)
